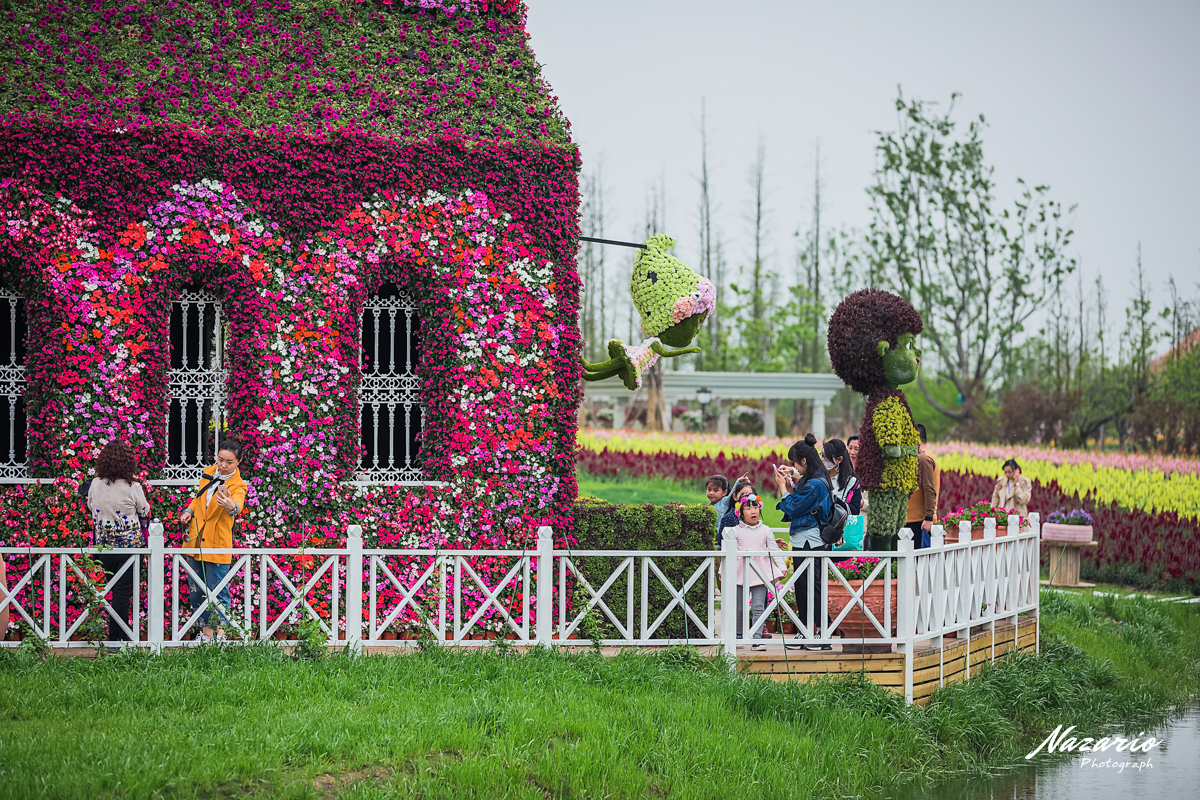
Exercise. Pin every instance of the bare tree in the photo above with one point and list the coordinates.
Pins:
(655, 221)
(755, 324)
(815, 286)
(593, 313)
(706, 248)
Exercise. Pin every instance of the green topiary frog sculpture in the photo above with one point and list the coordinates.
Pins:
(673, 303)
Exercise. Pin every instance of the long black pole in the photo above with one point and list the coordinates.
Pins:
(612, 241)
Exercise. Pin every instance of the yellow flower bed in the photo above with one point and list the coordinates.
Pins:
(1146, 490)
(1152, 488)
(704, 445)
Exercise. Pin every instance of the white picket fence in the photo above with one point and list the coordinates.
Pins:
(940, 590)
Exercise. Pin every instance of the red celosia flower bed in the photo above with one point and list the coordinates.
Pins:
(1163, 544)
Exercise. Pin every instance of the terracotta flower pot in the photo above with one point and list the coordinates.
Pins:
(409, 636)
(510, 635)
(490, 635)
(789, 626)
(1052, 532)
(389, 635)
(478, 637)
(771, 625)
(856, 624)
(279, 634)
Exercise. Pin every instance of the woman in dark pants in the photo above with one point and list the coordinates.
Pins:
(807, 505)
(118, 506)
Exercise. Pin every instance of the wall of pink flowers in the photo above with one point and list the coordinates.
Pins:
(464, 194)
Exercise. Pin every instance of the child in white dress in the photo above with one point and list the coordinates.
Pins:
(751, 534)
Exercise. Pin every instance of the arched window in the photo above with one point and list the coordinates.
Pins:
(197, 385)
(390, 395)
(13, 456)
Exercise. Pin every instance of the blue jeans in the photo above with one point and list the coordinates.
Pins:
(212, 574)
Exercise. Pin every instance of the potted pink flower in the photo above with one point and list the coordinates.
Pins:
(976, 515)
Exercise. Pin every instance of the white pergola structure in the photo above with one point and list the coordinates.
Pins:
(726, 387)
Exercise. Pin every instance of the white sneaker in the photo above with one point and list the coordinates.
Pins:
(201, 638)
(221, 637)
(758, 647)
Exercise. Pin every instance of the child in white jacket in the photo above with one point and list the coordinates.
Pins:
(752, 534)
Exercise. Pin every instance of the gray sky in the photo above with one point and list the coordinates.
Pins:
(1099, 100)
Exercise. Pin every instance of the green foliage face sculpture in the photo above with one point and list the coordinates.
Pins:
(673, 303)
(900, 364)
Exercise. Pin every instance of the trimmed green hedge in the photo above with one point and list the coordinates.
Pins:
(600, 525)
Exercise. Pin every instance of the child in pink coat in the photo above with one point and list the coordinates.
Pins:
(751, 534)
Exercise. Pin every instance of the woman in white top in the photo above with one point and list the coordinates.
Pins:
(118, 507)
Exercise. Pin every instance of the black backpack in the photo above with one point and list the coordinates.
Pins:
(839, 512)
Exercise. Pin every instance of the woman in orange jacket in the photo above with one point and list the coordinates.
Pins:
(220, 496)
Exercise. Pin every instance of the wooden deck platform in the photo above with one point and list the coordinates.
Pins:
(932, 667)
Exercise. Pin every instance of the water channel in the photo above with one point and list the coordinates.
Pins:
(1173, 772)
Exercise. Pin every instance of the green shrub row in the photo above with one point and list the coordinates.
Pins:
(600, 525)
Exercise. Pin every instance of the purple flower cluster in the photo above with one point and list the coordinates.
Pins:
(1075, 516)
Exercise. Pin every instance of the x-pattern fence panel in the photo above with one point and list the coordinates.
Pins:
(537, 595)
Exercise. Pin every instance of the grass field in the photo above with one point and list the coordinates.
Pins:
(216, 723)
(659, 491)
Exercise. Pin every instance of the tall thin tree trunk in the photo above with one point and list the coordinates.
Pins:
(816, 257)
(706, 248)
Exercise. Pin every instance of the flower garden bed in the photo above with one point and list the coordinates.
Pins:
(1136, 545)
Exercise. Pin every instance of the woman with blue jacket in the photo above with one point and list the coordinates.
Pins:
(807, 506)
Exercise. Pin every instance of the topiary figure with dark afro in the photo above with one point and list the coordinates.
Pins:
(872, 346)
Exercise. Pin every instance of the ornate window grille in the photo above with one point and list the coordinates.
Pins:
(13, 455)
(197, 385)
(391, 410)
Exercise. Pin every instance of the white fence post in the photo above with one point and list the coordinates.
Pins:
(1035, 521)
(966, 577)
(729, 591)
(988, 559)
(354, 573)
(1012, 570)
(906, 607)
(935, 572)
(155, 586)
(544, 601)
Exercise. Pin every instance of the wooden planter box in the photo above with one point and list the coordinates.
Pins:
(856, 624)
(1066, 533)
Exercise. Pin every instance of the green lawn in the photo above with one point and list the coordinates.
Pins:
(660, 491)
(250, 722)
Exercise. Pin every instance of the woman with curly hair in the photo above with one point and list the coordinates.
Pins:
(118, 506)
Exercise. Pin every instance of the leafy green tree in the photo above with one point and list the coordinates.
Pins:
(977, 274)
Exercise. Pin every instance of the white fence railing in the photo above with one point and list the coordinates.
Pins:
(359, 595)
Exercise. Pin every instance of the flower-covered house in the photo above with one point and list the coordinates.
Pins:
(341, 232)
